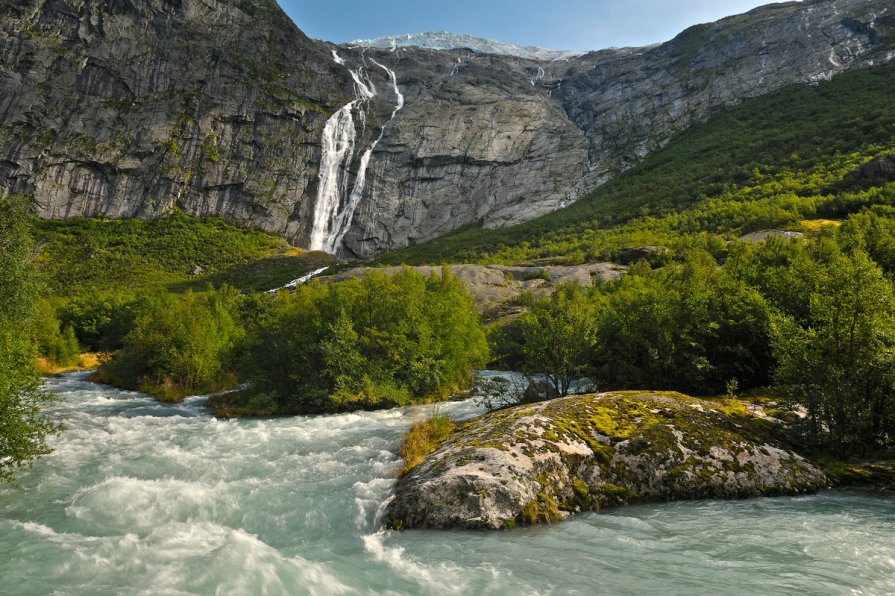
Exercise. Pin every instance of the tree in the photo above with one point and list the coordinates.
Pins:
(688, 327)
(842, 362)
(23, 428)
(375, 342)
(179, 344)
(557, 337)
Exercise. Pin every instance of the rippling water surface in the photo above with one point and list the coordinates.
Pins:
(145, 498)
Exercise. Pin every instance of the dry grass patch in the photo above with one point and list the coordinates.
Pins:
(424, 438)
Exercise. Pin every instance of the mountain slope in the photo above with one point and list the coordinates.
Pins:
(123, 109)
(772, 161)
(127, 109)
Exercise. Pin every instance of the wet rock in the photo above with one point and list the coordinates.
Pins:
(542, 462)
(629, 256)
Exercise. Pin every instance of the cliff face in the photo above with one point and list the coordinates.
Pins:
(125, 109)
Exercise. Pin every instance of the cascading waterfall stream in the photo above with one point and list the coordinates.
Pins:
(339, 138)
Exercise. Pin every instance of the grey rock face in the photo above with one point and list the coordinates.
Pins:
(127, 109)
(878, 170)
(541, 462)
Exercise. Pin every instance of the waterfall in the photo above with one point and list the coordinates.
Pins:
(339, 138)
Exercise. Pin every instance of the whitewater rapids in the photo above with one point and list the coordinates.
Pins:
(147, 498)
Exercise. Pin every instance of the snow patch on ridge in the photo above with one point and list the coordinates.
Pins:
(443, 40)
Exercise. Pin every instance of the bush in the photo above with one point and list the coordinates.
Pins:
(100, 322)
(58, 345)
(424, 438)
(556, 337)
(690, 327)
(372, 343)
(841, 361)
(179, 345)
(23, 428)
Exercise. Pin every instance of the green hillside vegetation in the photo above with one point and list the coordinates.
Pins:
(816, 319)
(367, 343)
(87, 257)
(380, 341)
(770, 162)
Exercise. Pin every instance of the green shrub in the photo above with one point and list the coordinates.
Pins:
(179, 345)
(100, 321)
(57, 344)
(375, 342)
(23, 428)
(840, 362)
(690, 327)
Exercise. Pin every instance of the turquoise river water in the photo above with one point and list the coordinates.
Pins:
(145, 498)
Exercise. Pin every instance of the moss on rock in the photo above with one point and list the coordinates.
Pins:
(537, 464)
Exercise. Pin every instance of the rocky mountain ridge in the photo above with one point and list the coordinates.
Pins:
(444, 40)
(220, 107)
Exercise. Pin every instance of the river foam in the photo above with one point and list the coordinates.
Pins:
(147, 498)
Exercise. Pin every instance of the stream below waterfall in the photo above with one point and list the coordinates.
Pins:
(141, 497)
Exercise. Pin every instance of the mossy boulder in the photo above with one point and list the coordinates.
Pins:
(539, 463)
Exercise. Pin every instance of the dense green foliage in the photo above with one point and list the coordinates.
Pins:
(690, 327)
(366, 343)
(687, 327)
(555, 338)
(23, 429)
(772, 161)
(92, 257)
(817, 318)
(375, 342)
(100, 322)
(841, 361)
(178, 344)
(55, 342)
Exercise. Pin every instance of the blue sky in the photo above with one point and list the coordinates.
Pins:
(558, 24)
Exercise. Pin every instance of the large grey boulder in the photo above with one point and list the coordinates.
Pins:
(539, 463)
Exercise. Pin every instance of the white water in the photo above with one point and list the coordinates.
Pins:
(333, 211)
(146, 498)
(301, 280)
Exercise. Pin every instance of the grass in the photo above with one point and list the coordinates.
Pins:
(90, 256)
(423, 439)
(86, 361)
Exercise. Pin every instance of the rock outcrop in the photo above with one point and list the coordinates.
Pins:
(539, 463)
(492, 286)
(127, 109)
(879, 170)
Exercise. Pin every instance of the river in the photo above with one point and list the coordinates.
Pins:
(141, 497)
